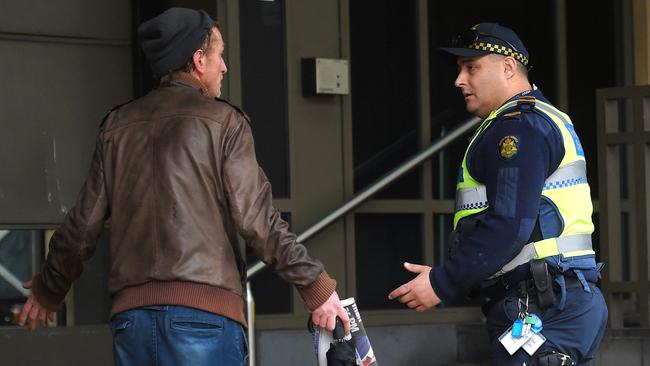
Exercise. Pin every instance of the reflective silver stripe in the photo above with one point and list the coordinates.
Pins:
(572, 170)
(565, 244)
(568, 175)
(471, 197)
(550, 110)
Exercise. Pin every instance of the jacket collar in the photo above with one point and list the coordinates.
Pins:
(185, 79)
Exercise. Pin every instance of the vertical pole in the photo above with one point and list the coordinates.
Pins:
(250, 315)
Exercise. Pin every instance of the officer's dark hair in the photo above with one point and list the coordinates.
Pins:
(523, 69)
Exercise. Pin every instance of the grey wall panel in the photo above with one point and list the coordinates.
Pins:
(315, 130)
(61, 346)
(421, 345)
(72, 18)
(53, 98)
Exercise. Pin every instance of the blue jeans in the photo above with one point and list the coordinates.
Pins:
(576, 330)
(177, 335)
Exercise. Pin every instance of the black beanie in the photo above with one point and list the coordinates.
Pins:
(171, 38)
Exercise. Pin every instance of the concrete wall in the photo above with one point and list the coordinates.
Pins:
(63, 67)
(82, 345)
(417, 345)
(436, 345)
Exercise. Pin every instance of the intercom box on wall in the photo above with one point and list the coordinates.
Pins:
(325, 76)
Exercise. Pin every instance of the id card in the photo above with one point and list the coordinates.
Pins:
(511, 343)
(534, 343)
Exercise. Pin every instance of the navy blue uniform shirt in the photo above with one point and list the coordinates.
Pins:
(514, 187)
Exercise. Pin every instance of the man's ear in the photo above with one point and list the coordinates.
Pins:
(509, 67)
(198, 60)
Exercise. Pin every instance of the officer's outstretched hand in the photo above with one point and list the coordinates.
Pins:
(417, 293)
(325, 315)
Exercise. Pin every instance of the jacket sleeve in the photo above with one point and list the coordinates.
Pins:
(76, 239)
(259, 223)
(514, 187)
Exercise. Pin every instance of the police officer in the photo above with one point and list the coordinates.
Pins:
(522, 221)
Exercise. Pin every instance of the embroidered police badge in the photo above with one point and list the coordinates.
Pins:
(508, 146)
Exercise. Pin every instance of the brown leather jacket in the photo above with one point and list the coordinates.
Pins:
(175, 174)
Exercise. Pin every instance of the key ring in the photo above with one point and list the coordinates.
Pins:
(520, 302)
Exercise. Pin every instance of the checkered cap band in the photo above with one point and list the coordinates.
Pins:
(502, 50)
(565, 183)
(472, 206)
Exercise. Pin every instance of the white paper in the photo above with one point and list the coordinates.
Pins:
(511, 343)
(534, 343)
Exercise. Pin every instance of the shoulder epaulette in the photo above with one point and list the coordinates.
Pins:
(512, 114)
(526, 103)
(235, 107)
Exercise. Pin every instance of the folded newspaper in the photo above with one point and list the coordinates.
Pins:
(324, 339)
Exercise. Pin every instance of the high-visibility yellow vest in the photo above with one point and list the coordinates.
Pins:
(566, 188)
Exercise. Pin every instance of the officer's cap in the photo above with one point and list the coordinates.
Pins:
(485, 38)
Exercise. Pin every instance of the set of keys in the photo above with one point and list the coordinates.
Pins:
(525, 324)
(525, 331)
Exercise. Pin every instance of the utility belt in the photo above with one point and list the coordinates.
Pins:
(531, 264)
(523, 287)
(540, 284)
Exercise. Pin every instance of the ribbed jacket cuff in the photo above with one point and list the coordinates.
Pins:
(44, 296)
(318, 291)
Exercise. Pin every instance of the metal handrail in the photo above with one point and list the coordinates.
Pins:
(377, 186)
(380, 184)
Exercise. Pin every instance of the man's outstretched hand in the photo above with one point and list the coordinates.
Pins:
(325, 315)
(33, 311)
(417, 293)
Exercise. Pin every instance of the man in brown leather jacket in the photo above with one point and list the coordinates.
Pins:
(175, 174)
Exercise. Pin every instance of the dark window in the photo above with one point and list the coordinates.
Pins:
(383, 243)
(20, 258)
(385, 104)
(443, 224)
(92, 301)
(264, 86)
(590, 29)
